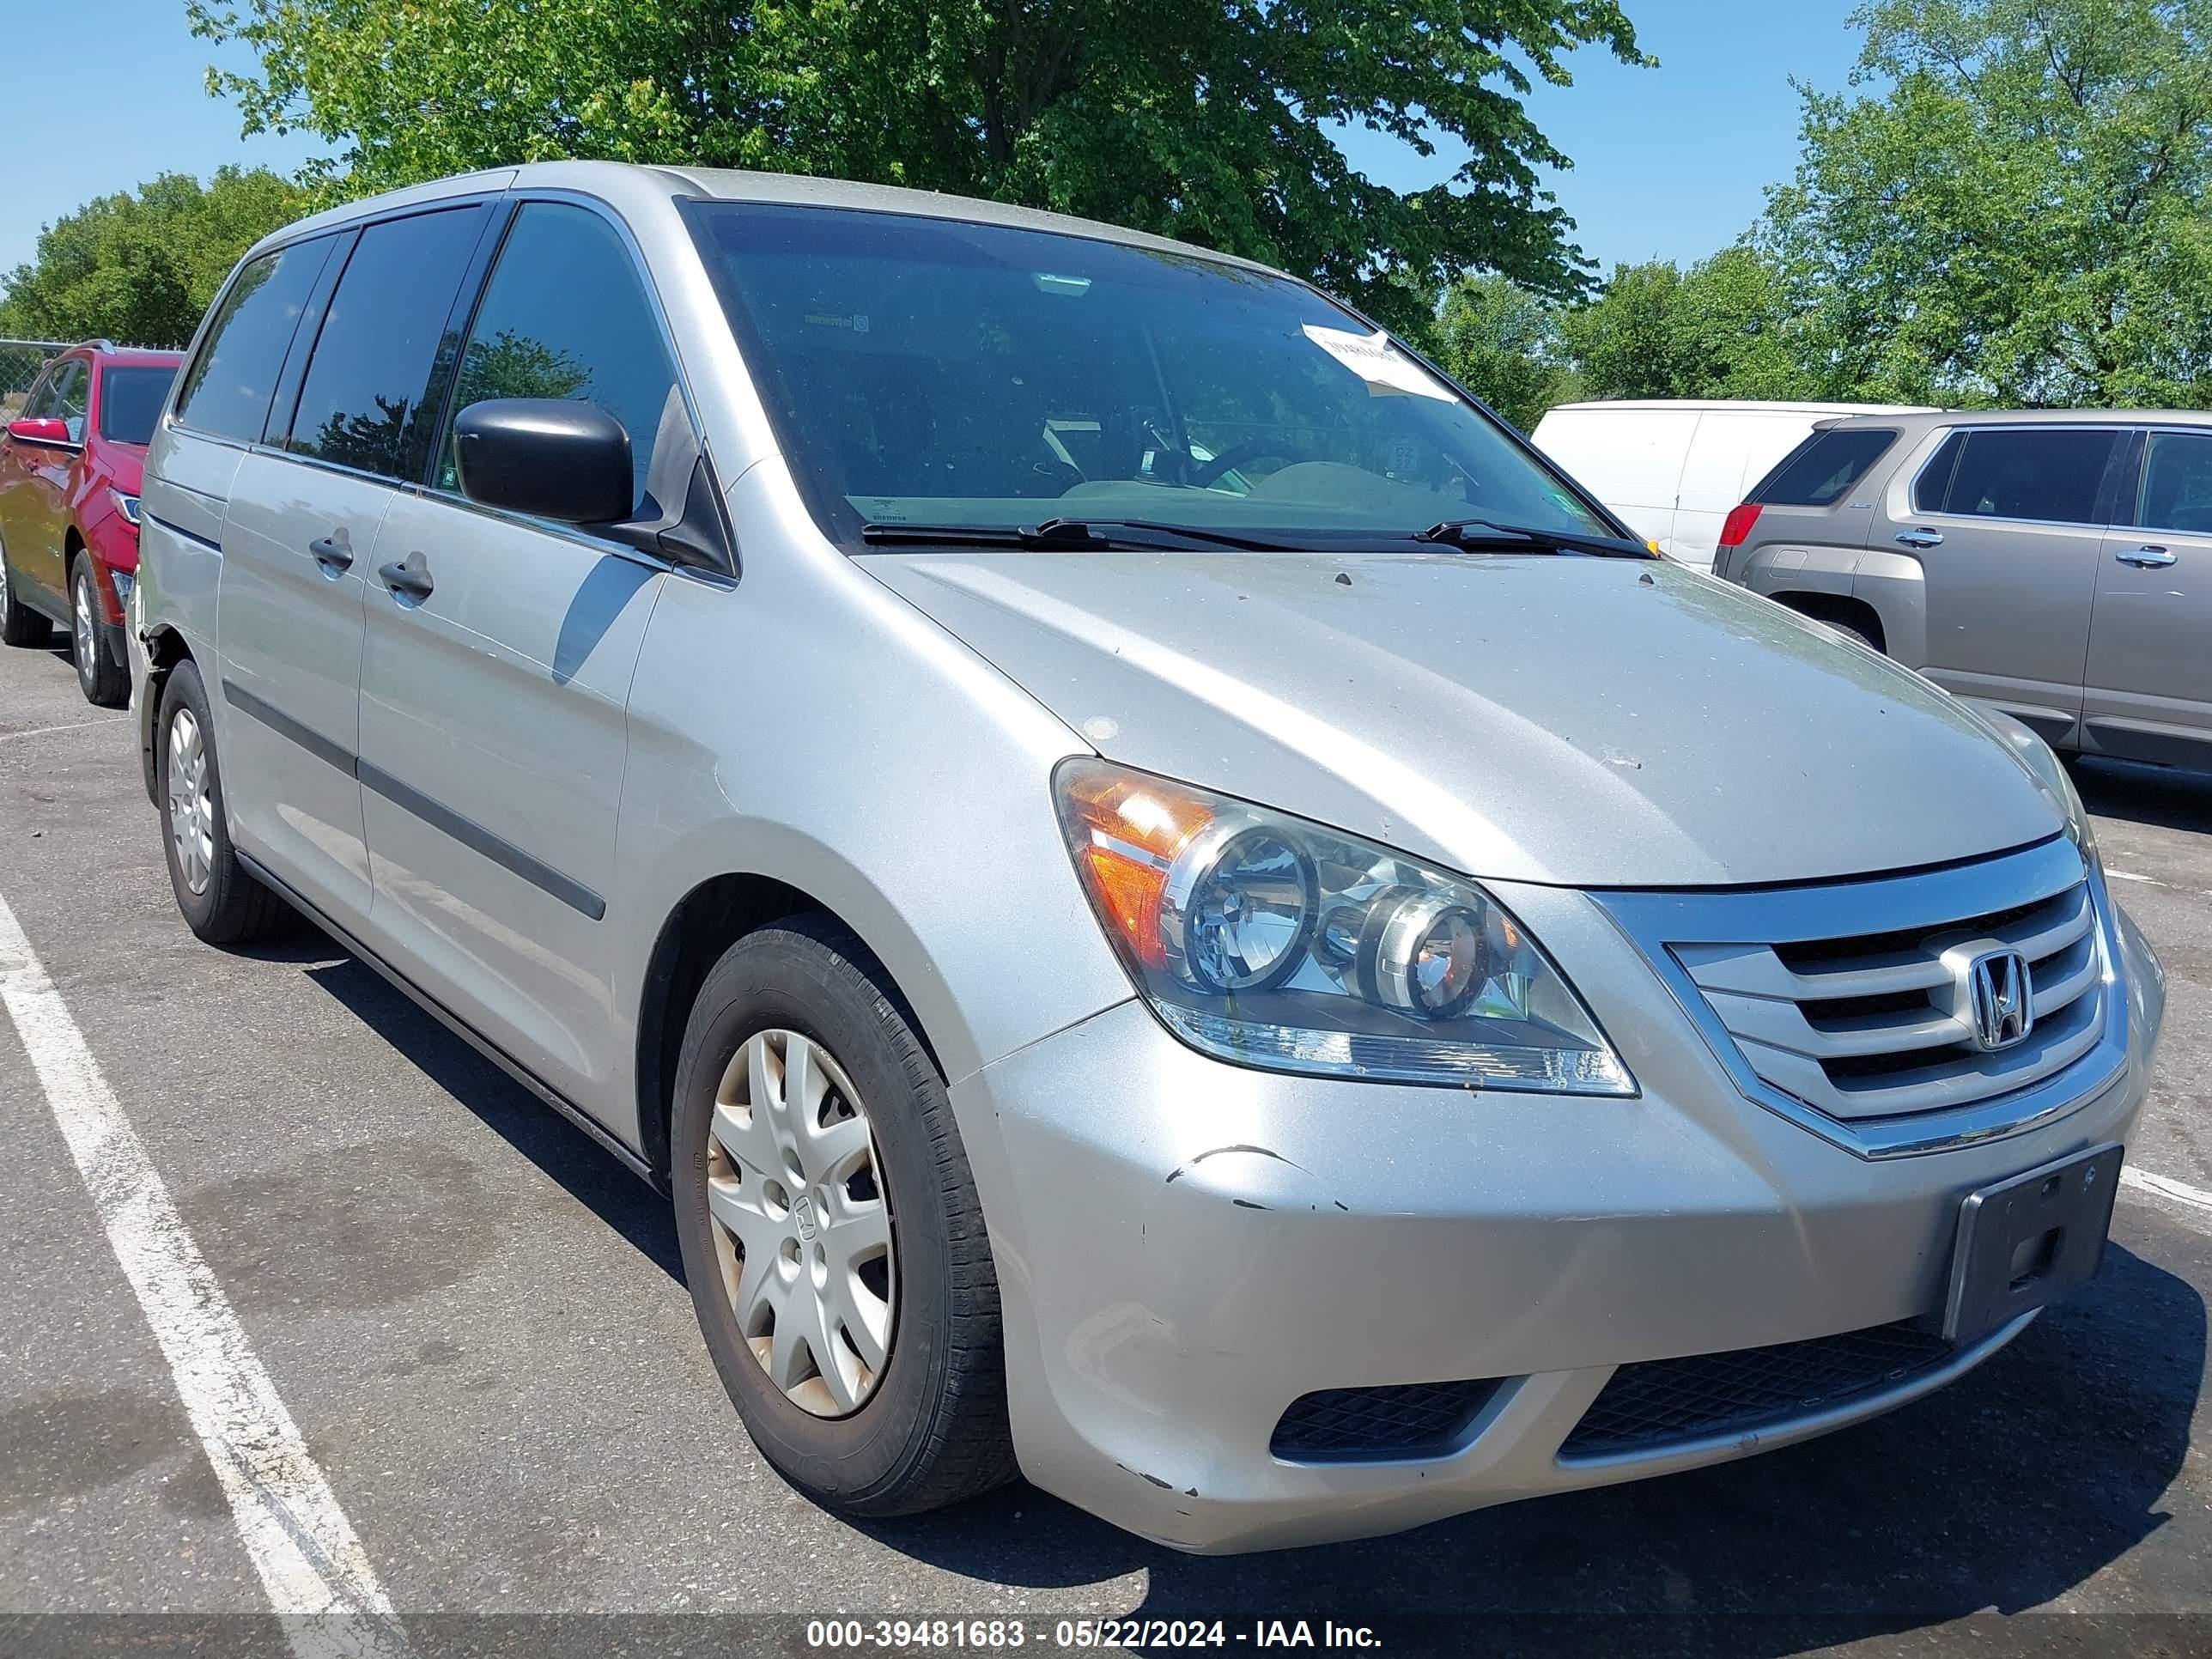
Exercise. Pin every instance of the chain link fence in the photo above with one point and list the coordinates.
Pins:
(20, 363)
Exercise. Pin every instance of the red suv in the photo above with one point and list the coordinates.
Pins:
(69, 465)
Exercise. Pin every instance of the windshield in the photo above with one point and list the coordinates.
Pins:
(130, 399)
(931, 372)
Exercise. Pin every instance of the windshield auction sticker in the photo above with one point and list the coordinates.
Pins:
(1388, 371)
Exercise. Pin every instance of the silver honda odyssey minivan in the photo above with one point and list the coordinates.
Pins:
(1177, 912)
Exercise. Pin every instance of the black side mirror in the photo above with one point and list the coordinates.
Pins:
(551, 458)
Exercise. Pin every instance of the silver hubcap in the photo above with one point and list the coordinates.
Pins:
(191, 813)
(3, 587)
(84, 636)
(801, 1224)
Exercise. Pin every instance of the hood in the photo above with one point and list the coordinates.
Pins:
(1586, 722)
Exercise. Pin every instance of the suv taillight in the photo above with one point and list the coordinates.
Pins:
(1738, 524)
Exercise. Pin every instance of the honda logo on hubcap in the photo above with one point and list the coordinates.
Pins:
(2002, 998)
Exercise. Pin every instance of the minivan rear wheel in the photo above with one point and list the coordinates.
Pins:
(831, 1235)
(220, 900)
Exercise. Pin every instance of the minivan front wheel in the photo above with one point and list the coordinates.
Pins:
(831, 1235)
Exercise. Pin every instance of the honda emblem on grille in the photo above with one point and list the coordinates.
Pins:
(2002, 997)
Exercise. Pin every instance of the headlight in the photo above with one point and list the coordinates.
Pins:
(1270, 941)
(126, 505)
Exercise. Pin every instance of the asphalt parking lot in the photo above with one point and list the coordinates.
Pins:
(477, 1320)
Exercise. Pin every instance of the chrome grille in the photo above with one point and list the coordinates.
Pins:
(1854, 998)
(1879, 1026)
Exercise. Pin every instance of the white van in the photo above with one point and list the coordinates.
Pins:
(1672, 468)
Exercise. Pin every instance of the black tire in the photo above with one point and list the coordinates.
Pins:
(19, 623)
(1851, 633)
(934, 1430)
(233, 907)
(106, 684)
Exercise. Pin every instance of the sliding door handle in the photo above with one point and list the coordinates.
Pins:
(408, 579)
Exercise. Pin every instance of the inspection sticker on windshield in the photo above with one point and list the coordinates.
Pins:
(1387, 371)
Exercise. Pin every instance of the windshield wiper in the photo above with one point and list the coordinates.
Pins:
(1482, 536)
(1100, 535)
(1188, 532)
(1124, 535)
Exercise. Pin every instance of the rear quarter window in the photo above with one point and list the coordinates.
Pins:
(228, 389)
(1819, 470)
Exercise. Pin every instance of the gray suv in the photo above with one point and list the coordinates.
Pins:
(1148, 877)
(2043, 562)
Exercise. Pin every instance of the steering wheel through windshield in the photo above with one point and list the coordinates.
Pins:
(1205, 474)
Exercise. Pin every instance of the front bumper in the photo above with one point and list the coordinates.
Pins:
(1185, 1247)
(142, 687)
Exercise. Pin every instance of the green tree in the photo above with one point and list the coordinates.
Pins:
(1724, 328)
(1208, 123)
(510, 365)
(1736, 333)
(2019, 217)
(1504, 343)
(1623, 340)
(142, 269)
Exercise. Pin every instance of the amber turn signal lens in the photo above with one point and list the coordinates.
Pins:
(1128, 831)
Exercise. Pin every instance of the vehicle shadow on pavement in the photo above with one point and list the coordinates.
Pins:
(557, 1147)
(2160, 795)
(2005, 1491)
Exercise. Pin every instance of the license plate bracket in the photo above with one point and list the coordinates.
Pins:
(2025, 1241)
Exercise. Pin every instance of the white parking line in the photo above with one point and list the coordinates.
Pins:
(311, 1565)
(2165, 1186)
(73, 725)
(2153, 881)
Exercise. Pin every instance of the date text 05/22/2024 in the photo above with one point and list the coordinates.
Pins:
(896, 1635)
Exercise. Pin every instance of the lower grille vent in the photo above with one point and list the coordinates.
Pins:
(1417, 1419)
(1665, 1403)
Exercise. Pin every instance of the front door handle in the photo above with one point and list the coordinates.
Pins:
(409, 579)
(334, 552)
(1922, 536)
(2147, 558)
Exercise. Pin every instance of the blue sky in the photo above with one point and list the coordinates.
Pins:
(1668, 163)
